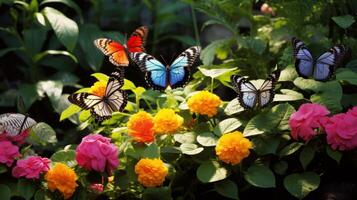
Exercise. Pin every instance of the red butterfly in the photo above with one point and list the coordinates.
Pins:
(117, 52)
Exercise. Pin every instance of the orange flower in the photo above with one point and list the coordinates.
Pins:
(204, 103)
(233, 147)
(62, 178)
(151, 172)
(167, 121)
(99, 88)
(141, 127)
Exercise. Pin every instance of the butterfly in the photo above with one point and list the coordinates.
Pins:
(118, 52)
(101, 107)
(320, 69)
(14, 123)
(158, 76)
(249, 96)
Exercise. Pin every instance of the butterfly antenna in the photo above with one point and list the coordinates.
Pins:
(23, 123)
(20, 105)
(172, 57)
(164, 60)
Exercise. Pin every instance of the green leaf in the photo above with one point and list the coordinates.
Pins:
(65, 28)
(214, 73)
(53, 89)
(280, 167)
(227, 188)
(41, 134)
(190, 149)
(163, 193)
(71, 110)
(233, 107)
(290, 149)
(189, 137)
(260, 176)
(226, 126)
(34, 39)
(3, 169)
(5, 192)
(29, 94)
(300, 185)
(288, 74)
(128, 85)
(266, 144)
(26, 188)
(66, 156)
(278, 118)
(40, 56)
(43, 195)
(152, 151)
(288, 95)
(69, 3)
(352, 65)
(211, 171)
(207, 139)
(307, 154)
(344, 21)
(255, 44)
(208, 53)
(336, 155)
(347, 75)
(101, 77)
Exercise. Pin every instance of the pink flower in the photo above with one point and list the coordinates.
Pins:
(97, 187)
(303, 122)
(8, 152)
(341, 130)
(31, 167)
(18, 139)
(95, 152)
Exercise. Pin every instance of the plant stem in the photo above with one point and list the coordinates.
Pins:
(195, 28)
(212, 80)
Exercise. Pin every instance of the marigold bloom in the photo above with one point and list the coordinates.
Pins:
(151, 172)
(62, 178)
(167, 121)
(99, 88)
(31, 167)
(95, 152)
(141, 127)
(204, 103)
(233, 147)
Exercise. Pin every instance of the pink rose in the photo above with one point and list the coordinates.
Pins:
(31, 167)
(341, 130)
(95, 152)
(353, 111)
(308, 118)
(97, 187)
(18, 139)
(8, 152)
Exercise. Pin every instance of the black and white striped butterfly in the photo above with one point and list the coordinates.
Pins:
(320, 69)
(101, 107)
(14, 123)
(159, 76)
(249, 96)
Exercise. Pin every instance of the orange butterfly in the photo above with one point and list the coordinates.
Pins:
(117, 52)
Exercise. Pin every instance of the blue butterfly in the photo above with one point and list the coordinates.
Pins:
(321, 69)
(249, 96)
(159, 76)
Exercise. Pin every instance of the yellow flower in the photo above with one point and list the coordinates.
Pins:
(151, 172)
(204, 103)
(233, 147)
(167, 121)
(62, 178)
(99, 88)
(141, 127)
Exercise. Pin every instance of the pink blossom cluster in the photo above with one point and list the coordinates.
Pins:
(311, 119)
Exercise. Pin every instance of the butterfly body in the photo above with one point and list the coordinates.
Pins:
(102, 107)
(159, 76)
(249, 96)
(320, 69)
(118, 52)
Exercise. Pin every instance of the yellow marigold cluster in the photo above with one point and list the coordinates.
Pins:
(167, 121)
(62, 178)
(99, 88)
(233, 147)
(151, 172)
(141, 127)
(204, 103)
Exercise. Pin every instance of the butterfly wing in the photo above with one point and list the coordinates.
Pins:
(266, 91)
(327, 63)
(155, 71)
(180, 68)
(14, 123)
(304, 63)
(137, 40)
(247, 93)
(114, 50)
